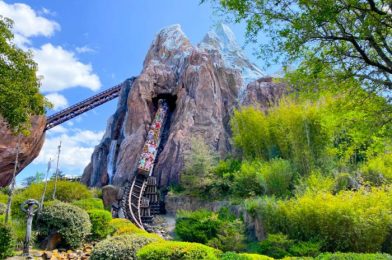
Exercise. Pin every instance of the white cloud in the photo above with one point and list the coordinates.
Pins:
(76, 148)
(58, 101)
(46, 12)
(61, 69)
(84, 49)
(27, 23)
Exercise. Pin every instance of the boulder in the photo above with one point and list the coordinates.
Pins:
(110, 194)
(30, 147)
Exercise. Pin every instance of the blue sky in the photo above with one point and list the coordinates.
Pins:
(84, 47)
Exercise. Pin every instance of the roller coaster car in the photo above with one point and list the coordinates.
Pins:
(143, 172)
(147, 158)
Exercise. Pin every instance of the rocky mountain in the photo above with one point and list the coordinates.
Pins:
(203, 84)
(29, 148)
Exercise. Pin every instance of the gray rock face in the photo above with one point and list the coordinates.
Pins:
(100, 170)
(263, 93)
(202, 83)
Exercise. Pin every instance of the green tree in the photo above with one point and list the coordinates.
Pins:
(352, 35)
(199, 161)
(37, 178)
(19, 84)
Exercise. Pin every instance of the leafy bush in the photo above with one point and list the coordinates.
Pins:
(257, 178)
(222, 231)
(276, 245)
(71, 222)
(353, 256)
(96, 192)
(3, 197)
(2, 208)
(378, 170)
(100, 223)
(177, 250)
(122, 247)
(122, 226)
(314, 183)
(305, 249)
(278, 175)
(230, 237)
(19, 232)
(249, 181)
(349, 221)
(197, 226)
(7, 242)
(89, 204)
(344, 181)
(66, 191)
(236, 256)
(224, 173)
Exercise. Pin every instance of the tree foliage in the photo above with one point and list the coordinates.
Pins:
(199, 161)
(19, 85)
(315, 133)
(351, 35)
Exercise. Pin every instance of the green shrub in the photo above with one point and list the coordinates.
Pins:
(344, 181)
(387, 246)
(305, 249)
(244, 256)
(349, 221)
(222, 231)
(7, 242)
(314, 183)
(66, 191)
(255, 256)
(276, 245)
(3, 198)
(177, 250)
(232, 256)
(96, 192)
(89, 204)
(71, 222)
(230, 236)
(278, 175)
(249, 181)
(100, 223)
(2, 208)
(378, 170)
(19, 232)
(121, 226)
(353, 256)
(122, 247)
(197, 226)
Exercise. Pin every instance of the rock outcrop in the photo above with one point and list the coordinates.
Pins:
(202, 83)
(30, 147)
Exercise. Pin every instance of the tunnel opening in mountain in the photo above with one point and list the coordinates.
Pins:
(171, 101)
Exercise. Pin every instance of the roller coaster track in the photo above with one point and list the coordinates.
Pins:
(83, 106)
(134, 199)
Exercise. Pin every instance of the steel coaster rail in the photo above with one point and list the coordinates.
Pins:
(82, 107)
